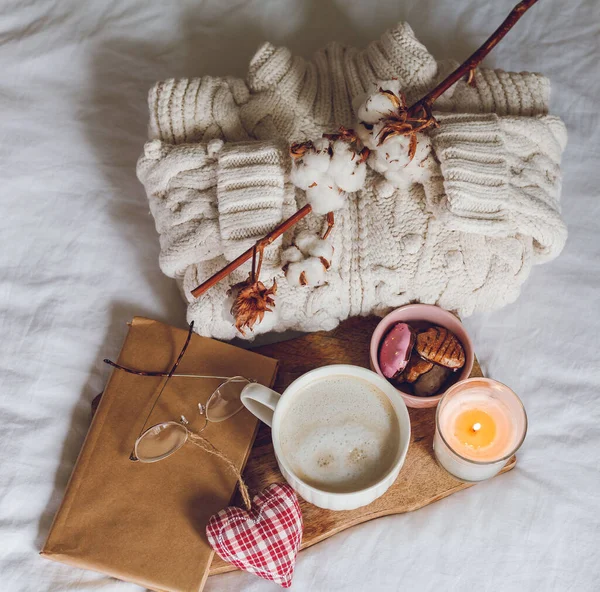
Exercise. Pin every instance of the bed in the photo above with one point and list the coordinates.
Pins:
(79, 259)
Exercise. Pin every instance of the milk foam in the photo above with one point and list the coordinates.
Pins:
(340, 434)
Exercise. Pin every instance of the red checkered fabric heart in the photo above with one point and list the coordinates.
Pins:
(264, 540)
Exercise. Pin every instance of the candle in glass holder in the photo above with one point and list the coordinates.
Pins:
(480, 424)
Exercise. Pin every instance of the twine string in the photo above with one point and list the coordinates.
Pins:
(204, 444)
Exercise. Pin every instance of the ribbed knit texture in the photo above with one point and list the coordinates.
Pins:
(216, 174)
(250, 193)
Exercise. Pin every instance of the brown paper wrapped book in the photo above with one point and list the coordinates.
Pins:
(145, 523)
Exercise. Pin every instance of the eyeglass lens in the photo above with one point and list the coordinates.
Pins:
(225, 402)
(160, 441)
(164, 439)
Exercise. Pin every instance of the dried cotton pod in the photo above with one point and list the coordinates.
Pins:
(252, 299)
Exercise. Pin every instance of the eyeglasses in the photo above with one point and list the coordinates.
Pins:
(163, 439)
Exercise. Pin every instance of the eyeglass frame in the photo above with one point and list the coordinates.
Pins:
(182, 420)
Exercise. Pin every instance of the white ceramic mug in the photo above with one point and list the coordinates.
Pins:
(271, 407)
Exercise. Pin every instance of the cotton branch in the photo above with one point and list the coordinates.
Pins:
(423, 106)
(419, 117)
(246, 255)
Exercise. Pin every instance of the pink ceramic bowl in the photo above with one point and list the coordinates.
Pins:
(431, 314)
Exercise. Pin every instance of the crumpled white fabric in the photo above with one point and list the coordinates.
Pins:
(79, 259)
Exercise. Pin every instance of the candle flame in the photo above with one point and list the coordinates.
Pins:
(476, 427)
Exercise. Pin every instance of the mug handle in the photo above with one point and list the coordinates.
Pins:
(260, 401)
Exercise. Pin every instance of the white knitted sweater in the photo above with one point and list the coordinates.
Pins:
(216, 174)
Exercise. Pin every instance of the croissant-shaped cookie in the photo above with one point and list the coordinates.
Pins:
(439, 345)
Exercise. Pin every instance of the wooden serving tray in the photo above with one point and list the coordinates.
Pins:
(421, 481)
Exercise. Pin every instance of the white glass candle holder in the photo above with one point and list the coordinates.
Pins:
(479, 424)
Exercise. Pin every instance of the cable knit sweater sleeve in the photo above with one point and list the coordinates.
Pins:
(501, 177)
(208, 198)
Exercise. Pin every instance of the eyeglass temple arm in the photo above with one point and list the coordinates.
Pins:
(142, 373)
(170, 373)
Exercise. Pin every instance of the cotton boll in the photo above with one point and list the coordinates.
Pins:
(313, 245)
(355, 181)
(293, 272)
(342, 149)
(414, 172)
(378, 105)
(303, 176)
(371, 114)
(309, 272)
(383, 161)
(319, 158)
(314, 271)
(321, 248)
(346, 169)
(291, 255)
(322, 145)
(343, 161)
(377, 162)
(324, 196)
(368, 115)
(370, 137)
(423, 148)
(421, 172)
(304, 240)
(395, 151)
(270, 322)
(317, 161)
(392, 155)
(418, 170)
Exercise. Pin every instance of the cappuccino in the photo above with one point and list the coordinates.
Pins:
(340, 434)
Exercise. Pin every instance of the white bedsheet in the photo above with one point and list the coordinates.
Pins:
(79, 253)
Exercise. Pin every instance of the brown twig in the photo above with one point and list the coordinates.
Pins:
(423, 106)
(264, 242)
(253, 268)
(330, 224)
(471, 78)
(256, 272)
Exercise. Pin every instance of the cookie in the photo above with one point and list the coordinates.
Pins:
(440, 346)
(415, 367)
(431, 382)
(396, 349)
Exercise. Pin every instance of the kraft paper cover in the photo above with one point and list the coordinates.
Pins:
(144, 523)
